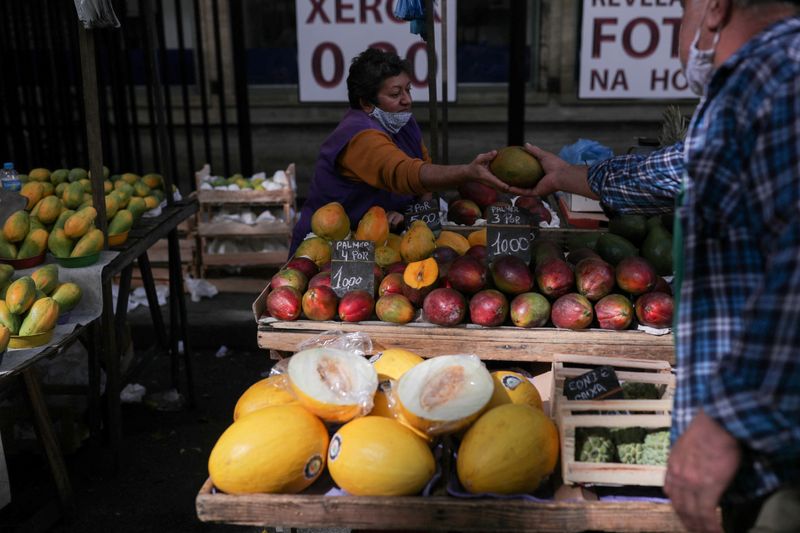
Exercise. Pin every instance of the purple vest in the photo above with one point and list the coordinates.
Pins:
(356, 196)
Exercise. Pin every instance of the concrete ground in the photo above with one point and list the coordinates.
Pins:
(164, 452)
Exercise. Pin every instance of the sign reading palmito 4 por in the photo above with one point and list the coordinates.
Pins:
(629, 49)
(330, 33)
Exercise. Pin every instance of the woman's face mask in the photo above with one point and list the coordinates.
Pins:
(700, 65)
(391, 122)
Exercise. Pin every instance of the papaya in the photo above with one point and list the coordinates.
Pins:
(5, 336)
(60, 188)
(48, 209)
(121, 222)
(153, 181)
(7, 249)
(140, 189)
(42, 317)
(108, 186)
(151, 202)
(17, 226)
(76, 174)
(62, 218)
(46, 278)
(106, 172)
(159, 194)
(136, 206)
(35, 224)
(35, 243)
(87, 185)
(89, 244)
(20, 295)
(79, 224)
(33, 191)
(39, 174)
(330, 222)
(59, 176)
(3, 289)
(130, 178)
(8, 319)
(47, 189)
(73, 195)
(59, 244)
(112, 206)
(6, 271)
(124, 186)
(122, 197)
(67, 295)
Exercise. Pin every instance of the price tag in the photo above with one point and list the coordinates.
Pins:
(352, 267)
(425, 210)
(598, 384)
(508, 232)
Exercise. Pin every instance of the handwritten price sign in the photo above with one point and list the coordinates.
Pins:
(508, 232)
(352, 267)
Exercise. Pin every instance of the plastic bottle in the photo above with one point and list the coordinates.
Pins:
(9, 179)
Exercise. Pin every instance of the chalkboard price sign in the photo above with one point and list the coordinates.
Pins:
(598, 384)
(425, 210)
(352, 267)
(508, 232)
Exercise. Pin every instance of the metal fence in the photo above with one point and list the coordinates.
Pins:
(41, 98)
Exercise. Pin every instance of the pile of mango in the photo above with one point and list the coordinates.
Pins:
(32, 304)
(59, 214)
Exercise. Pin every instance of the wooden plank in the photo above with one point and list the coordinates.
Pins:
(239, 229)
(432, 513)
(246, 259)
(247, 197)
(503, 343)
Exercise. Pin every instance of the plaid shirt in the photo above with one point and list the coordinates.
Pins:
(738, 324)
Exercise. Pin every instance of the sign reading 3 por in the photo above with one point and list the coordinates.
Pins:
(352, 267)
(508, 232)
(426, 211)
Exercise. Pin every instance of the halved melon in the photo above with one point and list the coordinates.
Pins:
(377, 456)
(394, 362)
(385, 405)
(273, 390)
(333, 384)
(513, 387)
(444, 394)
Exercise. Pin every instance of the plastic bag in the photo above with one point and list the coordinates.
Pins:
(96, 14)
(585, 151)
(409, 9)
(356, 343)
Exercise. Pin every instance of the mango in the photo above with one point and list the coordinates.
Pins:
(330, 222)
(373, 226)
(17, 226)
(517, 167)
(89, 244)
(20, 295)
(418, 242)
(35, 244)
(42, 317)
(67, 295)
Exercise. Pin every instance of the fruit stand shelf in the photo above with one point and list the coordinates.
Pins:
(435, 513)
(239, 229)
(501, 343)
(246, 259)
(280, 197)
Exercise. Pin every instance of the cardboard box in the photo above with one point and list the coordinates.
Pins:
(581, 204)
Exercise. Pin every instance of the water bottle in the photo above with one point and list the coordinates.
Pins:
(9, 179)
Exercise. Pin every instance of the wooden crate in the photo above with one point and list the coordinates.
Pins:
(571, 414)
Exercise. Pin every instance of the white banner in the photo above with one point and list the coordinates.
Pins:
(330, 33)
(629, 49)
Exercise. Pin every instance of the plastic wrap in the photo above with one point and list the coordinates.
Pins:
(95, 14)
(356, 343)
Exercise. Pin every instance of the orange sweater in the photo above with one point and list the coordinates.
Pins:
(372, 157)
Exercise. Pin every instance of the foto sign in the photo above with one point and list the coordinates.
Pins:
(330, 33)
(629, 49)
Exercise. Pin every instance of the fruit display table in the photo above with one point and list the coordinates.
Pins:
(434, 513)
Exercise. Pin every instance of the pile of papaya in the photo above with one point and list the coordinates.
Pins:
(60, 214)
(32, 304)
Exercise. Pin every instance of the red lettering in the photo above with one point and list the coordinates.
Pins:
(676, 29)
(627, 45)
(412, 58)
(385, 46)
(599, 37)
(338, 65)
(366, 6)
(341, 7)
(600, 80)
(316, 7)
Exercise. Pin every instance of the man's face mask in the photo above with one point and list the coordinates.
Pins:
(391, 122)
(699, 66)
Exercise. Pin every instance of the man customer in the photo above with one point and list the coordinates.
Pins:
(736, 418)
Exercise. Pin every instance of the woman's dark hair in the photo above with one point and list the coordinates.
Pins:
(368, 71)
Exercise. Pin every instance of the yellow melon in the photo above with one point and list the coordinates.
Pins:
(513, 387)
(333, 384)
(377, 456)
(384, 404)
(273, 390)
(444, 394)
(277, 449)
(510, 449)
(394, 362)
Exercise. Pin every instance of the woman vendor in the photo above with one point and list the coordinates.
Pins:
(376, 155)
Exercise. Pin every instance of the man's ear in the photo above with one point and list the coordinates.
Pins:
(366, 107)
(719, 11)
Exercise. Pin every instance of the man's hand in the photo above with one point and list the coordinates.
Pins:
(701, 465)
(559, 175)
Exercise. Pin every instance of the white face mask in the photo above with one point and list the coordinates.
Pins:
(699, 66)
(391, 122)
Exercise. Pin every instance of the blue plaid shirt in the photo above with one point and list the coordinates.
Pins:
(738, 324)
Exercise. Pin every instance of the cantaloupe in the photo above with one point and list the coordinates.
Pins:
(277, 449)
(377, 456)
(333, 384)
(513, 387)
(444, 394)
(273, 390)
(394, 362)
(510, 449)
